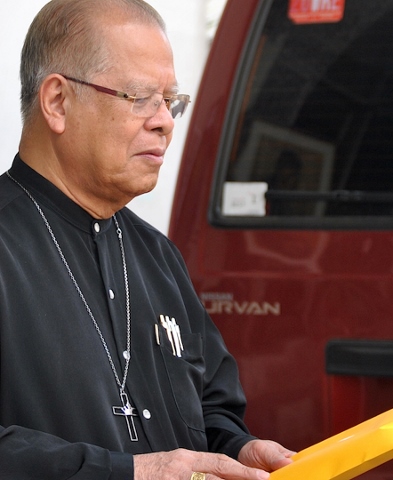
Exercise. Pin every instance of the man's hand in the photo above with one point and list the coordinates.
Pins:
(180, 464)
(265, 454)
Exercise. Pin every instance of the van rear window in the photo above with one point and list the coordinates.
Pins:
(308, 140)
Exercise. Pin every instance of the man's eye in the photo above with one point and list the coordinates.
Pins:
(141, 101)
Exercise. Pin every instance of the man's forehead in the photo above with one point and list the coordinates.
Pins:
(142, 52)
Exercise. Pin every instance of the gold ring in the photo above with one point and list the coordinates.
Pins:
(198, 476)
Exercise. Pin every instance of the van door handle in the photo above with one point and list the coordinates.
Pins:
(359, 357)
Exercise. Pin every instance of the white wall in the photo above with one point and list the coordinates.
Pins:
(186, 24)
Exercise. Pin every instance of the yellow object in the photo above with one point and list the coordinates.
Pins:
(346, 455)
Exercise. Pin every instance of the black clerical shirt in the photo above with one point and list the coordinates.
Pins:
(57, 388)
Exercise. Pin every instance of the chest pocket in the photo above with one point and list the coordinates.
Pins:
(185, 375)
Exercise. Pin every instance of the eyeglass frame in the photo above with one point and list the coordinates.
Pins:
(184, 98)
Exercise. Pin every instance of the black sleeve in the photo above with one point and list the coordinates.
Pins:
(223, 441)
(28, 454)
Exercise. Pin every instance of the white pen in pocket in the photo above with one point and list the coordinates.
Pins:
(178, 334)
(173, 333)
(156, 331)
(168, 329)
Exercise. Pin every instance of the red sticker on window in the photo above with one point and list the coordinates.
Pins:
(316, 11)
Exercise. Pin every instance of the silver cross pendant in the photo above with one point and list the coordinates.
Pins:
(128, 412)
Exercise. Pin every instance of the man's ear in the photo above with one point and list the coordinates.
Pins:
(53, 97)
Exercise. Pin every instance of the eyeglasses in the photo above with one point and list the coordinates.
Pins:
(144, 104)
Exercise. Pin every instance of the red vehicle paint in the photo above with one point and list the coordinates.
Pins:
(293, 257)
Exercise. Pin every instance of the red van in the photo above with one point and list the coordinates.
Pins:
(284, 210)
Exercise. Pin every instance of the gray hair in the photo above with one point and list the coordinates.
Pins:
(65, 37)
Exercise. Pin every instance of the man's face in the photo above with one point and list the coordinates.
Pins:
(108, 154)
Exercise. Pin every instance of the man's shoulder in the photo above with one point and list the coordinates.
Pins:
(147, 233)
(142, 226)
(148, 240)
(8, 191)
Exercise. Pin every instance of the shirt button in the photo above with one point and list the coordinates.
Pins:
(97, 227)
(146, 413)
(111, 294)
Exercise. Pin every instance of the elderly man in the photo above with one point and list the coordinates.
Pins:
(110, 366)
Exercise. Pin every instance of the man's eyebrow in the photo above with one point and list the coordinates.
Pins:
(173, 90)
(135, 86)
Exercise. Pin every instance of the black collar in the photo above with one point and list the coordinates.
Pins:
(49, 195)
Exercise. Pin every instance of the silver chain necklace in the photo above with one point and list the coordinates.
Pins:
(126, 409)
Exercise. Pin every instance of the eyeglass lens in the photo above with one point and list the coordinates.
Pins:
(149, 104)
